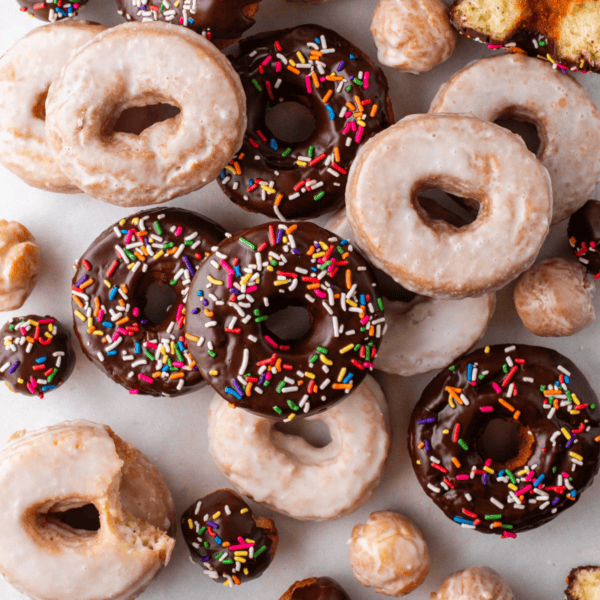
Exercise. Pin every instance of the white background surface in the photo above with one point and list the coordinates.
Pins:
(172, 432)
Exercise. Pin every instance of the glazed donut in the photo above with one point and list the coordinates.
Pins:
(527, 89)
(155, 64)
(19, 264)
(50, 10)
(347, 95)
(260, 271)
(84, 515)
(219, 529)
(555, 298)
(37, 355)
(476, 582)
(110, 290)
(316, 588)
(389, 554)
(584, 235)
(506, 438)
(287, 474)
(221, 21)
(423, 334)
(412, 35)
(26, 72)
(469, 158)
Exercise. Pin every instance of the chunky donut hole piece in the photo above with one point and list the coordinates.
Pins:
(39, 108)
(507, 443)
(314, 432)
(287, 323)
(136, 119)
(290, 122)
(438, 205)
(524, 128)
(159, 300)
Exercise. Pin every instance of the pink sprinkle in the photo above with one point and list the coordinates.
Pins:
(523, 490)
(308, 84)
(508, 534)
(266, 61)
(366, 80)
(134, 391)
(179, 312)
(530, 476)
(251, 289)
(243, 546)
(369, 365)
(488, 462)
(227, 267)
(229, 280)
(44, 321)
(486, 408)
(101, 315)
(32, 382)
(152, 345)
(277, 67)
(23, 331)
(494, 46)
(320, 293)
(145, 378)
(462, 477)
(136, 311)
(116, 336)
(178, 231)
(473, 383)
(364, 320)
(496, 387)
(346, 129)
(129, 236)
(271, 341)
(353, 125)
(241, 540)
(122, 331)
(565, 475)
(359, 135)
(31, 390)
(178, 364)
(348, 114)
(180, 21)
(268, 376)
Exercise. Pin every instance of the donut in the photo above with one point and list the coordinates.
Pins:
(423, 334)
(51, 10)
(140, 64)
(389, 554)
(224, 538)
(26, 71)
(475, 582)
(563, 33)
(506, 438)
(584, 236)
(111, 292)
(526, 89)
(37, 355)
(79, 503)
(287, 474)
(412, 36)
(316, 588)
(19, 264)
(221, 21)
(555, 298)
(347, 96)
(464, 156)
(269, 268)
(583, 582)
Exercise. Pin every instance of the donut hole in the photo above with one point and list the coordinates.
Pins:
(158, 300)
(288, 323)
(435, 204)
(314, 431)
(136, 119)
(290, 122)
(39, 107)
(507, 443)
(524, 128)
(85, 518)
(69, 518)
(390, 288)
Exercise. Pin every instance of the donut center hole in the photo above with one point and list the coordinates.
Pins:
(287, 324)
(136, 119)
(438, 205)
(39, 108)
(315, 432)
(390, 288)
(290, 122)
(159, 299)
(507, 443)
(86, 517)
(524, 129)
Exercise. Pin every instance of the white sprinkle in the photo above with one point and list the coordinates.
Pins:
(561, 368)
(433, 488)
(497, 503)
(510, 349)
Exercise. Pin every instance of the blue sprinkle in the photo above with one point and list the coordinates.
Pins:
(123, 231)
(191, 21)
(573, 493)
(138, 348)
(363, 299)
(273, 144)
(113, 293)
(501, 473)
(427, 420)
(250, 182)
(233, 393)
(111, 353)
(461, 520)
(344, 243)
(47, 388)
(165, 369)
(348, 378)
(330, 112)
(318, 40)
(567, 380)
(218, 539)
(181, 345)
(40, 360)
(107, 324)
(223, 174)
(200, 293)
(539, 480)
(469, 371)
(237, 270)
(352, 57)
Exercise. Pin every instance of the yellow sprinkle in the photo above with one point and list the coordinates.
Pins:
(550, 58)
(268, 189)
(244, 280)
(566, 433)
(240, 559)
(301, 57)
(79, 315)
(158, 254)
(574, 412)
(214, 281)
(98, 332)
(361, 123)
(309, 375)
(325, 360)
(20, 380)
(270, 269)
(213, 373)
(293, 63)
(190, 524)
(122, 222)
(487, 350)
(346, 348)
(451, 402)
(243, 511)
(575, 455)
(446, 431)
(342, 374)
(107, 283)
(418, 462)
(488, 470)
(301, 163)
(522, 472)
(351, 302)
(513, 487)
(216, 515)
(281, 282)
(245, 571)
(231, 168)
(241, 553)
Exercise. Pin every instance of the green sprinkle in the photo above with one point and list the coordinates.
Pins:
(319, 195)
(256, 312)
(452, 368)
(348, 88)
(542, 388)
(158, 228)
(512, 478)
(206, 544)
(51, 376)
(314, 359)
(553, 469)
(273, 262)
(257, 85)
(229, 561)
(325, 264)
(169, 245)
(311, 151)
(462, 444)
(356, 348)
(481, 376)
(507, 526)
(505, 368)
(492, 517)
(173, 282)
(201, 530)
(188, 242)
(280, 386)
(212, 353)
(12, 327)
(380, 303)
(247, 243)
(259, 551)
(293, 405)
(261, 319)
(357, 81)
(542, 43)
(592, 406)
(218, 556)
(569, 396)
(322, 350)
(286, 152)
(130, 254)
(149, 356)
(179, 355)
(340, 250)
(279, 412)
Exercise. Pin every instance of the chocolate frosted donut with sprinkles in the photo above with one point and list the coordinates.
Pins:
(269, 269)
(128, 299)
(506, 438)
(347, 97)
(53, 10)
(584, 236)
(37, 355)
(223, 536)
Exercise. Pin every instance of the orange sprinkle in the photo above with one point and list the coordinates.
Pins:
(313, 286)
(139, 256)
(125, 288)
(293, 70)
(278, 365)
(517, 414)
(342, 386)
(208, 313)
(236, 166)
(86, 284)
(77, 301)
(336, 155)
(291, 229)
(177, 375)
(327, 96)
(236, 579)
(96, 306)
(315, 79)
(278, 199)
(506, 405)
(453, 394)
(456, 462)
(348, 279)
(123, 320)
(358, 104)
(351, 106)
(373, 110)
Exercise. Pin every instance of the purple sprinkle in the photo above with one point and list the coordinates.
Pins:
(14, 367)
(238, 387)
(570, 442)
(213, 525)
(279, 235)
(196, 311)
(296, 251)
(189, 266)
(205, 302)
(484, 479)
(261, 379)
(206, 559)
(427, 420)
(80, 281)
(555, 501)
(340, 65)
(234, 291)
(427, 446)
(144, 321)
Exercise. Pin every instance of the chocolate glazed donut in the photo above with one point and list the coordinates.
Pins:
(316, 588)
(347, 96)
(261, 271)
(533, 397)
(48, 10)
(110, 290)
(221, 21)
(584, 235)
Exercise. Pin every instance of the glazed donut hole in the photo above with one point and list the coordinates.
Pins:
(475, 583)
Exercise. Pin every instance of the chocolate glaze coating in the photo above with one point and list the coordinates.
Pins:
(268, 81)
(584, 235)
(252, 367)
(45, 359)
(216, 19)
(209, 532)
(316, 588)
(51, 11)
(542, 441)
(138, 357)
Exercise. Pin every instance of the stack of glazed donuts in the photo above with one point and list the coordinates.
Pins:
(377, 302)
